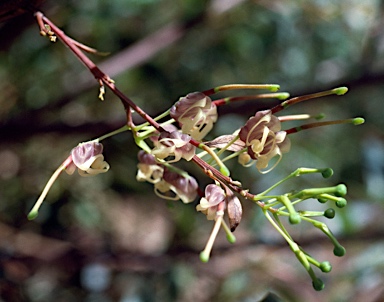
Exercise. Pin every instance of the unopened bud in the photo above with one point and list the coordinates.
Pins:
(235, 212)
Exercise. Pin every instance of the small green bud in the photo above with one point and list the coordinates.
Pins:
(322, 200)
(320, 116)
(341, 190)
(231, 238)
(341, 203)
(340, 90)
(329, 213)
(224, 170)
(358, 121)
(274, 87)
(325, 266)
(339, 251)
(294, 218)
(33, 214)
(326, 173)
(318, 284)
(204, 256)
(283, 96)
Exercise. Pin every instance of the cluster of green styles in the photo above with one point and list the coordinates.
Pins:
(180, 134)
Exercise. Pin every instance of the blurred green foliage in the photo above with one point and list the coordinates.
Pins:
(148, 248)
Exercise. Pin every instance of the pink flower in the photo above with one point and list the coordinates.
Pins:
(174, 144)
(195, 113)
(263, 139)
(184, 187)
(148, 169)
(88, 158)
(214, 196)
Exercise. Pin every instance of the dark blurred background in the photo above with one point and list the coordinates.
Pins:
(110, 238)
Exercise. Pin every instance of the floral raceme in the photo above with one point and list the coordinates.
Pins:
(178, 134)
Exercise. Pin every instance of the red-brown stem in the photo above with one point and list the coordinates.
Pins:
(225, 101)
(98, 74)
(214, 174)
(315, 125)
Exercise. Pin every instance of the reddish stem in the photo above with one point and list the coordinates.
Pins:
(98, 74)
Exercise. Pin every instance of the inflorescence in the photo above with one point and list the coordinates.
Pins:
(178, 134)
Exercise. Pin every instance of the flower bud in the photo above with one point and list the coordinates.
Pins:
(234, 211)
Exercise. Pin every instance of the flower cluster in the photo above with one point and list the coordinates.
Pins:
(191, 118)
(260, 140)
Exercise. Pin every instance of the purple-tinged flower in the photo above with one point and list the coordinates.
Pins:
(148, 169)
(263, 139)
(209, 205)
(184, 188)
(195, 113)
(174, 144)
(88, 158)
